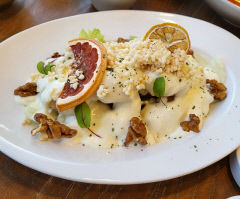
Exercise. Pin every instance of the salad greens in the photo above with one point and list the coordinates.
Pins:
(95, 33)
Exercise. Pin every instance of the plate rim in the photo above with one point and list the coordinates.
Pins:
(112, 11)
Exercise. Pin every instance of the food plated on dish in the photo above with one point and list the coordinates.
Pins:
(119, 93)
(68, 157)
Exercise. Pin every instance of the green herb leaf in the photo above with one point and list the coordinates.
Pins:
(131, 37)
(48, 67)
(83, 34)
(159, 87)
(40, 67)
(83, 115)
(95, 33)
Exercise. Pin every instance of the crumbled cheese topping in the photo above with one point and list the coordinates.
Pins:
(102, 91)
(81, 77)
(73, 79)
(130, 62)
(78, 72)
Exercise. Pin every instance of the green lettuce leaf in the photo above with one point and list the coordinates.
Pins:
(95, 33)
(131, 37)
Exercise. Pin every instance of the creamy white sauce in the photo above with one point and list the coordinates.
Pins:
(115, 92)
(44, 101)
(173, 84)
(163, 120)
(111, 124)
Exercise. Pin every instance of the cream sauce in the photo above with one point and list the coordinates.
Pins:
(115, 92)
(173, 84)
(112, 126)
(163, 120)
(44, 101)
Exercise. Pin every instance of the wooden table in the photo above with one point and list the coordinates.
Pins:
(17, 181)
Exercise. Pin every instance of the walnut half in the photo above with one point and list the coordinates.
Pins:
(217, 89)
(192, 125)
(28, 89)
(51, 129)
(136, 131)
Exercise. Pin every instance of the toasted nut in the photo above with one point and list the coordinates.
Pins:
(170, 98)
(28, 89)
(53, 129)
(136, 131)
(56, 55)
(122, 40)
(192, 125)
(217, 89)
(190, 52)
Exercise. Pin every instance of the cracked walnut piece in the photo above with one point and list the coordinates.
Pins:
(192, 125)
(217, 89)
(170, 98)
(122, 40)
(190, 52)
(52, 129)
(56, 55)
(136, 131)
(28, 89)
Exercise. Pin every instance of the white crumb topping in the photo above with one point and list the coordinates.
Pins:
(78, 72)
(81, 77)
(102, 91)
(73, 79)
(130, 62)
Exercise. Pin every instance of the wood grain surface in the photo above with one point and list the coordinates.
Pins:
(17, 181)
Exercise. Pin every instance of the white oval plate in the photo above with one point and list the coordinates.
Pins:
(219, 137)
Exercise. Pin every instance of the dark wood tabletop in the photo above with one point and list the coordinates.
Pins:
(17, 181)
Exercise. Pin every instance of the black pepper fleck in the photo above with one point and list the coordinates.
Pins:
(109, 69)
(121, 59)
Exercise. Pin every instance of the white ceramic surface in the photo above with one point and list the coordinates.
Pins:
(112, 4)
(219, 137)
(228, 10)
(235, 165)
(234, 197)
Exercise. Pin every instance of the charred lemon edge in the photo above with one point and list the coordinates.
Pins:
(171, 25)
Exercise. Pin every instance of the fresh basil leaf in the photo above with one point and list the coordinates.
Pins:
(40, 67)
(48, 67)
(159, 87)
(83, 115)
